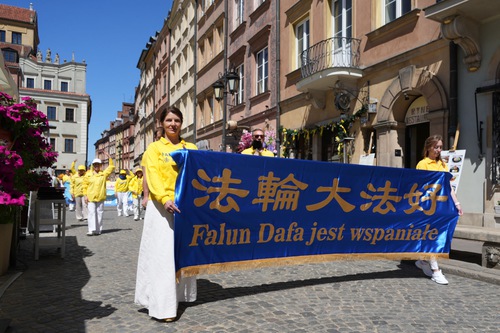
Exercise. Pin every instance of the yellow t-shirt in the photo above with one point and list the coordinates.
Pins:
(161, 170)
(263, 152)
(431, 165)
(135, 186)
(67, 178)
(121, 185)
(76, 187)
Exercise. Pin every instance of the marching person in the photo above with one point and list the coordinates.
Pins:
(258, 148)
(77, 180)
(432, 161)
(121, 191)
(156, 286)
(95, 194)
(136, 188)
(66, 181)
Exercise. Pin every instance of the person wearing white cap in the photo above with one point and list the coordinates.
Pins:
(76, 188)
(95, 194)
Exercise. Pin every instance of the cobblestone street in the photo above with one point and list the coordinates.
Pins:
(92, 290)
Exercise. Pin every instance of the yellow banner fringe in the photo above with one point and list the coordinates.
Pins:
(299, 260)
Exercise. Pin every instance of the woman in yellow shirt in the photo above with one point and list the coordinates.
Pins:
(136, 188)
(432, 162)
(156, 286)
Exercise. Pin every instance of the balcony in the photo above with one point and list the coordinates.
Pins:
(327, 62)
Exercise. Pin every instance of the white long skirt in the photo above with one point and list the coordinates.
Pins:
(156, 288)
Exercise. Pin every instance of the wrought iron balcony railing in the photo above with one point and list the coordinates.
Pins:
(330, 53)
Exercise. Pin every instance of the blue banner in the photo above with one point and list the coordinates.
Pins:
(240, 211)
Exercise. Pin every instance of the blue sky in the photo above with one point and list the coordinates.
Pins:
(109, 35)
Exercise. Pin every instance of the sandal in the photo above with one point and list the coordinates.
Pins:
(169, 320)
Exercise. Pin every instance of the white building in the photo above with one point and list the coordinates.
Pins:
(59, 90)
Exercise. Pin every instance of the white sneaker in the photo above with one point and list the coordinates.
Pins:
(439, 278)
(90, 233)
(425, 267)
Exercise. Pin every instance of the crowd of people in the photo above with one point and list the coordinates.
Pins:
(85, 192)
(152, 186)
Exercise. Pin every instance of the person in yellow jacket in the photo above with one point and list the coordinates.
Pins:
(136, 188)
(94, 189)
(76, 188)
(121, 191)
(156, 287)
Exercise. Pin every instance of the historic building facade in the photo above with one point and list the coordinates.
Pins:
(182, 25)
(58, 86)
(340, 81)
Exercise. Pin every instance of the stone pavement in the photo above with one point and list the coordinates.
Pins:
(92, 290)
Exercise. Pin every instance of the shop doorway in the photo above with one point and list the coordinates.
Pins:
(414, 143)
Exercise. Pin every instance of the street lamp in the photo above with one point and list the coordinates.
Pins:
(229, 81)
(119, 150)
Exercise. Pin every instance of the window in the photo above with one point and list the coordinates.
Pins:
(70, 114)
(30, 82)
(68, 145)
(302, 37)
(47, 84)
(211, 107)
(342, 18)
(51, 113)
(395, 8)
(10, 56)
(210, 48)
(17, 38)
(2, 35)
(202, 6)
(220, 33)
(64, 86)
(53, 144)
(240, 11)
(164, 83)
(262, 70)
(342, 31)
(240, 94)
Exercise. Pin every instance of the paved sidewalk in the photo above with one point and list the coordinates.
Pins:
(92, 290)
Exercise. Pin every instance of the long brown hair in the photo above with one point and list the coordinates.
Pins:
(172, 109)
(430, 142)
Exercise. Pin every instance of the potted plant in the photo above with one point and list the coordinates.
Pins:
(24, 156)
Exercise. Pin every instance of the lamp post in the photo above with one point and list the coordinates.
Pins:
(119, 150)
(229, 81)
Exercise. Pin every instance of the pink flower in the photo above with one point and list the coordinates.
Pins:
(30, 150)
